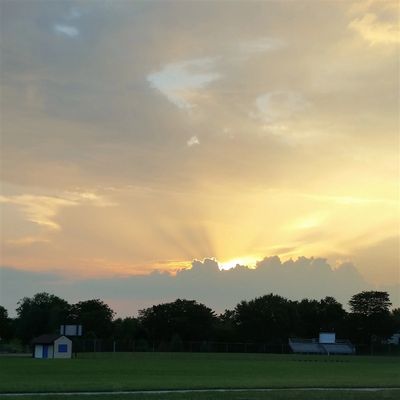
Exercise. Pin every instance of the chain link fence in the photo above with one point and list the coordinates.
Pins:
(81, 345)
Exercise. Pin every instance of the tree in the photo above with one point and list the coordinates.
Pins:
(370, 303)
(370, 318)
(6, 329)
(126, 328)
(224, 329)
(308, 318)
(95, 317)
(269, 318)
(395, 314)
(316, 316)
(186, 318)
(43, 313)
(332, 315)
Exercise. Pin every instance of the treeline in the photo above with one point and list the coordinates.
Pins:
(267, 319)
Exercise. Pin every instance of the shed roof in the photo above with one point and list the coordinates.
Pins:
(46, 339)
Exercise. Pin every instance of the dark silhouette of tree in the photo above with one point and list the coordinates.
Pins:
(224, 329)
(266, 319)
(370, 303)
(395, 314)
(6, 325)
(95, 316)
(370, 319)
(43, 313)
(126, 328)
(332, 315)
(269, 318)
(308, 318)
(190, 320)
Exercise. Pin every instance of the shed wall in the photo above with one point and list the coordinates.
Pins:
(50, 350)
(66, 342)
(38, 351)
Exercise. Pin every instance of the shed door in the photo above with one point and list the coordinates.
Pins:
(45, 351)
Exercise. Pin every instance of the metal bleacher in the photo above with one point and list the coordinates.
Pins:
(306, 346)
(340, 347)
(312, 346)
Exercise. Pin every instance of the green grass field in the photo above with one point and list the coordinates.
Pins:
(274, 395)
(147, 371)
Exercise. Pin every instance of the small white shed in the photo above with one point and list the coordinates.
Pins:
(52, 346)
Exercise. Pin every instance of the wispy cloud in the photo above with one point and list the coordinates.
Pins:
(74, 13)
(280, 105)
(180, 82)
(375, 31)
(27, 241)
(261, 45)
(351, 200)
(311, 221)
(89, 197)
(67, 30)
(379, 23)
(42, 210)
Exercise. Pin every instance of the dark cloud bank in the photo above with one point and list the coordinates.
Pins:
(302, 278)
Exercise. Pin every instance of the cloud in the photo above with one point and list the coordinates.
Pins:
(375, 31)
(205, 282)
(90, 198)
(261, 45)
(43, 210)
(379, 22)
(40, 210)
(74, 13)
(27, 241)
(114, 105)
(351, 200)
(16, 284)
(67, 30)
(280, 105)
(308, 222)
(193, 141)
(180, 82)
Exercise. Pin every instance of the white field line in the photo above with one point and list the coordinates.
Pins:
(122, 392)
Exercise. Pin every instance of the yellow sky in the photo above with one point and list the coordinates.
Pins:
(143, 135)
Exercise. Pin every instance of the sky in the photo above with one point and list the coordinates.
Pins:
(150, 147)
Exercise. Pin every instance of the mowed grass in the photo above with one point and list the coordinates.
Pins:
(243, 395)
(147, 371)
